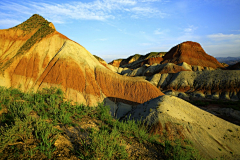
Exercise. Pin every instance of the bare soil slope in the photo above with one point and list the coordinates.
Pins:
(213, 136)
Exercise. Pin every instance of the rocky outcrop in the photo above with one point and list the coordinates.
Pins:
(33, 55)
(164, 68)
(212, 136)
(139, 63)
(192, 53)
(116, 63)
(138, 60)
(154, 60)
(148, 71)
(224, 84)
(124, 89)
(130, 60)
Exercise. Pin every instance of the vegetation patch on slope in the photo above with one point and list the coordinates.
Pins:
(35, 21)
(44, 125)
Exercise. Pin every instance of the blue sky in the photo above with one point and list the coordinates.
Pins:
(115, 29)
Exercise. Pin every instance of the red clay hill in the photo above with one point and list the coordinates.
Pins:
(191, 53)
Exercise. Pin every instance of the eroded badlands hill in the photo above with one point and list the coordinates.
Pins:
(224, 84)
(213, 136)
(192, 53)
(189, 52)
(138, 60)
(187, 71)
(33, 55)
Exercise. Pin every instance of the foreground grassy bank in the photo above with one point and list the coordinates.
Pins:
(44, 125)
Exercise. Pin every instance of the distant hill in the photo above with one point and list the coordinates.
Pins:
(192, 53)
(136, 57)
(228, 60)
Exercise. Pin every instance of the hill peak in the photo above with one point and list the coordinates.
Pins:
(32, 31)
(192, 53)
(192, 44)
(34, 22)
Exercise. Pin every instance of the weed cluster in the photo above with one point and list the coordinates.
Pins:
(23, 135)
(175, 150)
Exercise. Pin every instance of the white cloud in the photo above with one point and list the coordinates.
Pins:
(223, 44)
(190, 29)
(101, 39)
(150, 0)
(159, 31)
(145, 44)
(95, 10)
(221, 37)
(236, 30)
(15, 7)
(223, 49)
(187, 34)
(137, 12)
(9, 22)
(126, 2)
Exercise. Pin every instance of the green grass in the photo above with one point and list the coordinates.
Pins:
(176, 151)
(29, 129)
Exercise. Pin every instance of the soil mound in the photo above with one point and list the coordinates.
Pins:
(213, 136)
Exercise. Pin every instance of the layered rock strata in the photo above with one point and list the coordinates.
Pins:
(215, 84)
(33, 55)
